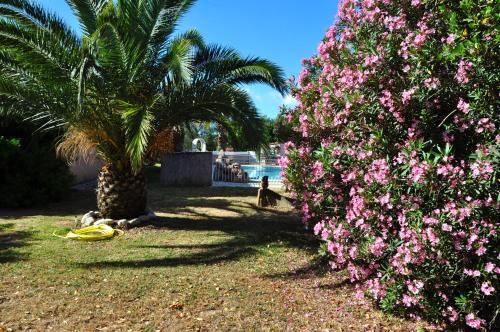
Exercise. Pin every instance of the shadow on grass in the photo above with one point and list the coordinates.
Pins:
(226, 251)
(10, 240)
(248, 236)
(76, 203)
(315, 268)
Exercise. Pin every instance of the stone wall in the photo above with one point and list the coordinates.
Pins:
(183, 169)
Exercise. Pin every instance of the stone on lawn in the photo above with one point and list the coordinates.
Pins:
(89, 218)
(122, 223)
(108, 222)
(134, 222)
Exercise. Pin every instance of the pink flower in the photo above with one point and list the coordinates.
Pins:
(305, 212)
(415, 286)
(318, 228)
(451, 313)
(359, 294)
(317, 170)
(303, 76)
(430, 221)
(474, 322)
(431, 236)
(394, 22)
(484, 124)
(463, 106)
(378, 172)
(377, 248)
(288, 145)
(304, 152)
(487, 289)
(489, 267)
(462, 73)
(432, 82)
(448, 137)
(419, 40)
(409, 300)
(407, 94)
(446, 228)
(418, 172)
(450, 39)
(481, 169)
(472, 273)
(385, 199)
(353, 252)
(371, 60)
(283, 162)
(304, 125)
(481, 250)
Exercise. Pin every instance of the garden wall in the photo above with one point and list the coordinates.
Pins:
(85, 170)
(184, 169)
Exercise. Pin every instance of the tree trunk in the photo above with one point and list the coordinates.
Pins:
(121, 195)
(221, 137)
(178, 139)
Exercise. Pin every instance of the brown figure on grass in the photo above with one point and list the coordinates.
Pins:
(265, 196)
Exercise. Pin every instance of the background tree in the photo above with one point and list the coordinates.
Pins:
(30, 171)
(283, 127)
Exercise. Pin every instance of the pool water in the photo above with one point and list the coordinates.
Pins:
(256, 172)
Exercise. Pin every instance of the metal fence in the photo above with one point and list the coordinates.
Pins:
(229, 167)
(247, 158)
(229, 173)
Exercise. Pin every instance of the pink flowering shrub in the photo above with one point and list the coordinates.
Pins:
(395, 162)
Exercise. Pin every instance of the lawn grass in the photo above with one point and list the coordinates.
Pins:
(211, 262)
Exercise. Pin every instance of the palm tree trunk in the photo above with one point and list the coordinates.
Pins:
(121, 195)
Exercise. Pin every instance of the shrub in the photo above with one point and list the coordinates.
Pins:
(30, 175)
(396, 168)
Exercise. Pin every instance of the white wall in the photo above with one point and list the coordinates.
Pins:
(241, 157)
(85, 170)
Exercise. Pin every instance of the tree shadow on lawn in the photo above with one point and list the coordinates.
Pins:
(75, 203)
(248, 235)
(10, 240)
(317, 267)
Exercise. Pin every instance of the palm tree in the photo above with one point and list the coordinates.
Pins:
(120, 84)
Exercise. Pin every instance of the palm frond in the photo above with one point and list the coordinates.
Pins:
(163, 16)
(86, 12)
(75, 144)
(37, 48)
(138, 124)
(33, 15)
(222, 64)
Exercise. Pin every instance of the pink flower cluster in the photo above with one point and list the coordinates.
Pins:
(462, 75)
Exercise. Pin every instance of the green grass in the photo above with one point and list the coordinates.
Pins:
(212, 261)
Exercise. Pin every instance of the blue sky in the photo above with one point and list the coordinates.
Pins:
(283, 31)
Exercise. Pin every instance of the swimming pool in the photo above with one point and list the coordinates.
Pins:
(256, 172)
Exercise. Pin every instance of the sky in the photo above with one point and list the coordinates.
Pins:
(283, 31)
